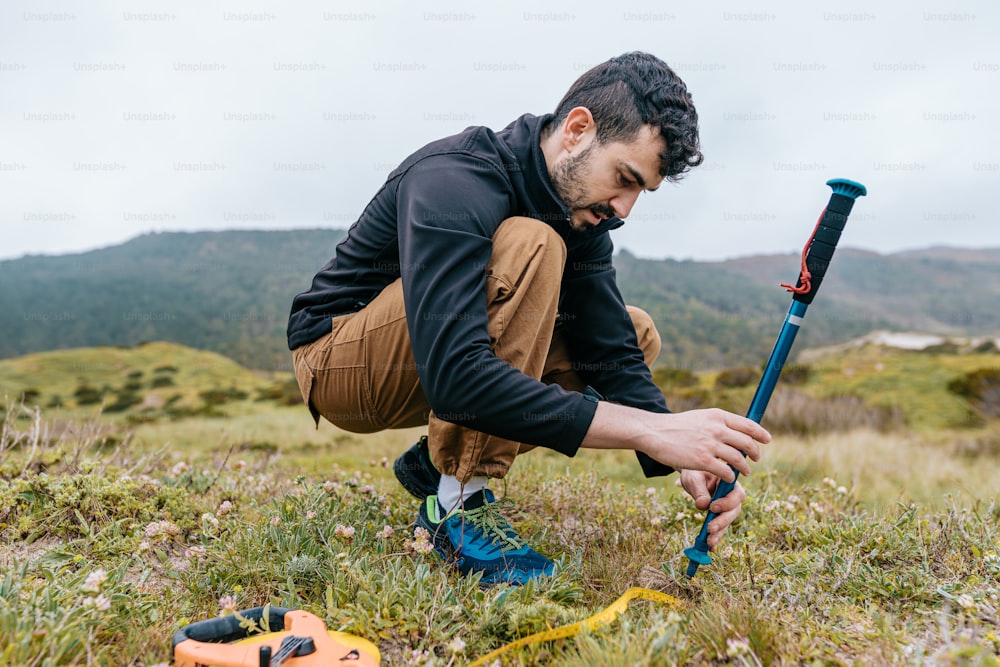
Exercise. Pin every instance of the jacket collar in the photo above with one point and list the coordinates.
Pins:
(524, 138)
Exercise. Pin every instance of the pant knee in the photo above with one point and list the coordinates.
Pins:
(526, 237)
(646, 333)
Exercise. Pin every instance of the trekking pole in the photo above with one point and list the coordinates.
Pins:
(816, 258)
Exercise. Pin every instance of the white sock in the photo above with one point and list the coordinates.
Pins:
(451, 492)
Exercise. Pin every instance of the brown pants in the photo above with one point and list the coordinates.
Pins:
(362, 376)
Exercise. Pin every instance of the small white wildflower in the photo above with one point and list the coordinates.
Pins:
(240, 465)
(841, 490)
(228, 604)
(992, 561)
(736, 647)
(330, 487)
(275, 521)
(680, 516)
(143, 546)
(656, 521)
(195, 553)
(789, 507)
(651, 491)
(829, 482)
(99, 602)
(456, 645)
(209, 523)
(310, 515)
(94, 581)
(367, 488)
(179, 469)
(164, 529)
(793, 498)
(421, 541)
(418, 657)
(344, 532)
(965, 601)
(815, 507)
(225, 508)
(773, 505)
(386, 532)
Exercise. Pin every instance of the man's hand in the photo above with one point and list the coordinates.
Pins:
(707, 440)
(700, 486)
(702, 444)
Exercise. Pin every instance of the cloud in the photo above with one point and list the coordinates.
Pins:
(121, 118)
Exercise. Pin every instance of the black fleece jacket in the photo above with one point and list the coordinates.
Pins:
(432, 223)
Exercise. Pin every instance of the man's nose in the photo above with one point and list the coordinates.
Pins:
(622, 204)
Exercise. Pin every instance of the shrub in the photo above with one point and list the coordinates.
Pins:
(796, 412)
(987, 347)
(669, 377)
(282, 393)
(217, 396)
(736, 377)
(123, 401)
(982, 389)
(86, 394)
(795, 374)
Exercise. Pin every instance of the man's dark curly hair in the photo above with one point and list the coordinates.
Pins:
(636, 89)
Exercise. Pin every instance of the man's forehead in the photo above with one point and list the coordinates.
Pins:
(640, 158)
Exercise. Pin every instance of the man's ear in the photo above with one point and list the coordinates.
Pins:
(577, 129)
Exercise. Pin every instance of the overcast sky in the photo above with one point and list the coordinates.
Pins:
(119, 118)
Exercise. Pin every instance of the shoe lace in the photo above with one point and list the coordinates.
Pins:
(495, 525)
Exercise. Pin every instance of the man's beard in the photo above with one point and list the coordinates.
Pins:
(568, 177)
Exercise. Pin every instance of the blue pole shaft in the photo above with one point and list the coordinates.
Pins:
(698, 554)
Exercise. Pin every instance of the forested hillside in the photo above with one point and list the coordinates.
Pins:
(230, 292)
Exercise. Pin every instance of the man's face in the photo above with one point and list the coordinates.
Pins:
(599, 181)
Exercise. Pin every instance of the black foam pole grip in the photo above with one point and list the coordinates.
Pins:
(825, 243)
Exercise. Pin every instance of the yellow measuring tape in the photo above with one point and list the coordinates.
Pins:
(604, 617)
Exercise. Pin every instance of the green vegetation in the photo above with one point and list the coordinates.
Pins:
(871, 533)
(230, 292)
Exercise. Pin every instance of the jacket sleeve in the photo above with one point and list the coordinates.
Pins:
(448, 207)
(601, 338)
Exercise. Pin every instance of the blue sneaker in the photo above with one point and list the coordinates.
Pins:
(477, 538)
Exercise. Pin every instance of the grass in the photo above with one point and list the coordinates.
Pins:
(865, 546)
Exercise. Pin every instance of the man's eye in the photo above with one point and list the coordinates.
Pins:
(624, 181)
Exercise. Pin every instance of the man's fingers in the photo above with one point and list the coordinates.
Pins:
(744, 443)
(719, 468)
(694, 484)
(747, 426)
(727, 509)
(730, 501)
(735, 458)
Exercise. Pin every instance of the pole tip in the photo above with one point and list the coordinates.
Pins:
(848, 188)
(696, 557)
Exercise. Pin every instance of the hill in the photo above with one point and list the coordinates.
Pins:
(230, 292)
(149, 382)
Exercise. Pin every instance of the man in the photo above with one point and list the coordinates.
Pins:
(476, 294)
